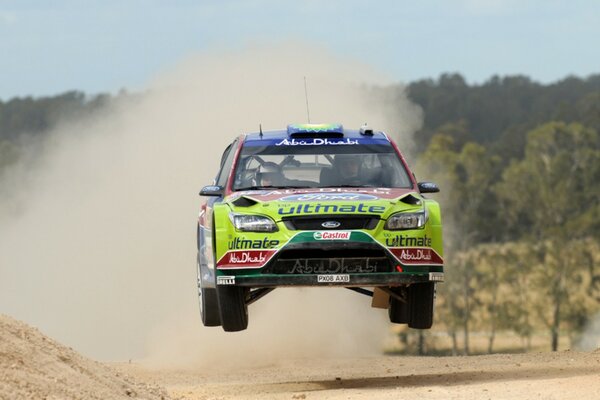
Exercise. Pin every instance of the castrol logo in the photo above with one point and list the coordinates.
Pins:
(332, 235)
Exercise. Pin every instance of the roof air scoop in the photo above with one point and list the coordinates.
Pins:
(315, 131)
(365, 130)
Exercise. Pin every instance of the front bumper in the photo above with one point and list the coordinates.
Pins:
(344, 280)
(310, 258)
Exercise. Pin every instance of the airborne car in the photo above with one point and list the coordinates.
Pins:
(318, 205)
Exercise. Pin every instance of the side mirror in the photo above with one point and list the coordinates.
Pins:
(428, 187)
(211, 190)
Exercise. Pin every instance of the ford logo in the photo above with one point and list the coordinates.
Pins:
(330, 224)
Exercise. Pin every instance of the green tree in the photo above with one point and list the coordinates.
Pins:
(467, 172)
(546, 196)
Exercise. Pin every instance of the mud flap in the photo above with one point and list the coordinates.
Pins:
(380, 299)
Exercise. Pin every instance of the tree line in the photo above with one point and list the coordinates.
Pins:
(24, 119)
(519, 167)
(518, 163)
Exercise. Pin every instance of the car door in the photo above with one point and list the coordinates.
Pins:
(205, 220)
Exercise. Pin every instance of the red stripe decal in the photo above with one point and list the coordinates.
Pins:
(417, 255)
(245, 259)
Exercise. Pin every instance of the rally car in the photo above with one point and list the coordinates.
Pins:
(318, 205)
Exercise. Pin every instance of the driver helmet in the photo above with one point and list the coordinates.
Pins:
(347, 165)
(269, 174)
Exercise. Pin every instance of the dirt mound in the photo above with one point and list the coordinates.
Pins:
(34, 366)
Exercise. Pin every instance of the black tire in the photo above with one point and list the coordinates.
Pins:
(232, 308)
(207, 299)
(398, 309)
(420, 300)
(209, 307)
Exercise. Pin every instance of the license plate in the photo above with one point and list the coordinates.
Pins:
(333, 278)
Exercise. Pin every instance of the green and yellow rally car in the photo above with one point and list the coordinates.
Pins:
(318, 205)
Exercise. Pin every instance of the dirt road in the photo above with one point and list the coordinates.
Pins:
(563, 375)
(34, 366)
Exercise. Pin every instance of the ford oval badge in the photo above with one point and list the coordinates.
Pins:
(330, 224)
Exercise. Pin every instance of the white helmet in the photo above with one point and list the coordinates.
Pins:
(271, 172)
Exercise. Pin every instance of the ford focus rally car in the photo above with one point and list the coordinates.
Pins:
(318, 205)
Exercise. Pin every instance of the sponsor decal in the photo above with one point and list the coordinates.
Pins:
(245, 244)
(424, 256)
(330, 208)
(332, 278)
(276, 194)
(316, 142)
(408, 241)
(332, 235)
(245, 258)
(251, 141)
(212, 188)
(436, 276)
(334, 265)
(415, 254)
(225, 280)
(329, 197)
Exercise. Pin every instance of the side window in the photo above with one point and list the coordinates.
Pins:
(394, 174)
(224, 155)
(226, 163)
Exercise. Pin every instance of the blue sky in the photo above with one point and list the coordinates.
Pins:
(102, 46)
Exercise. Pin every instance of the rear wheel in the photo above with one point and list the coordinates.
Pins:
(232, 308)
(398, 310)
(209, 307)
(420, 305)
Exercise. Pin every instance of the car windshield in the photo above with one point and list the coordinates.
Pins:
(320, 166)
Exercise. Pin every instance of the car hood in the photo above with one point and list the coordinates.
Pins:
(293, 202)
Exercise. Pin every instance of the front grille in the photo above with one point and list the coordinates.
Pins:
(310, 223)
(331, 266)
(330, 258)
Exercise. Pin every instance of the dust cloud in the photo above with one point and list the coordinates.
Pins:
(100, 252)
(590, 337)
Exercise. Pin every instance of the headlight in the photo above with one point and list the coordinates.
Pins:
(406, 221)
(252, 223)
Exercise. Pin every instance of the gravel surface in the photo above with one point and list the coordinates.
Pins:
(561, 375)
(33, 366)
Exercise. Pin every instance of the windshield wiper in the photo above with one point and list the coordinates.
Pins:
(272, 187)
(356, 186)
(253, 188)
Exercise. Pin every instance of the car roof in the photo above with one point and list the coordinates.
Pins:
(317, 131)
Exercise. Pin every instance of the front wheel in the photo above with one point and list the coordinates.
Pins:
(233, 308)
(207, 298)
(420, 305)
